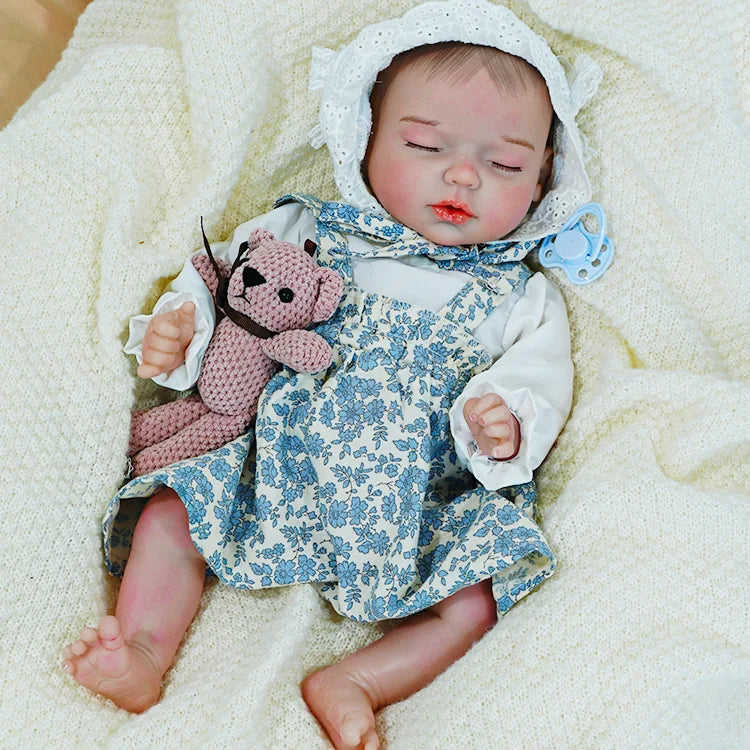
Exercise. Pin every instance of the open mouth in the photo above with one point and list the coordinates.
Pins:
(453, 211)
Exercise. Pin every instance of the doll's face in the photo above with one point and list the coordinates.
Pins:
(460, 163)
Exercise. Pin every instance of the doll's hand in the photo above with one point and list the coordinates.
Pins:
(167, 337)
(495, 429)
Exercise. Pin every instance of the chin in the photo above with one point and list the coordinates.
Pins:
(450, 235)
(445, 234)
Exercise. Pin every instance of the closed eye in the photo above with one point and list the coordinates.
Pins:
(422, 148)
(505, 168)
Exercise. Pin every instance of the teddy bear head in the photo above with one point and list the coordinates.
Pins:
(280, 286)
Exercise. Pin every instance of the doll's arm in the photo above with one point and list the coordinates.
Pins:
(290, 223)
(533, 377)
(187, 287)
(303, 351)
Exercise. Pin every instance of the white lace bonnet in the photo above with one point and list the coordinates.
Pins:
(346, 78)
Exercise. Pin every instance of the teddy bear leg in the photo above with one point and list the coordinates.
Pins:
(205, 434)
(152, 426)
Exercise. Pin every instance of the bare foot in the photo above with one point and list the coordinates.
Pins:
(342, 704)
(123, 672)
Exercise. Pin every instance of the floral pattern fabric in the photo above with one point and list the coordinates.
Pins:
(350, 479)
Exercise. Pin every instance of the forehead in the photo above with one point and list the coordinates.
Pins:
(413, 90)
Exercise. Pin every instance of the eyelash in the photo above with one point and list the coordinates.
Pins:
(503, 168)
(434, 150)
(422, 148)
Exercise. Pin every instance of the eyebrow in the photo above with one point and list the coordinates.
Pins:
(412, 118)
(517, 141)
(506, 138)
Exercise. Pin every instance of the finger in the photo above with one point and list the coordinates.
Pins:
(470, 415)
(163, 344)
(148, 371)
(470, 405)
(498, 431)
(503, 450)
(157, 358)
(186, 311)
(495, 415)
(487, 402)
(166, 325)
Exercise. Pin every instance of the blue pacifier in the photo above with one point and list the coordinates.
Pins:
(583, 255)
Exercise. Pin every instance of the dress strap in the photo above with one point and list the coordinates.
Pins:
(483, 294)
(333, 247)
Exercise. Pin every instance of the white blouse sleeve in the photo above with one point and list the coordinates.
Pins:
(533, 375)
(291, 222)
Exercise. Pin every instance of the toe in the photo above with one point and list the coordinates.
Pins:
(67, 667)
(67, 653)
(109, 633)
(79, 648)
(89, 635)
(349, 734)
(353, 729)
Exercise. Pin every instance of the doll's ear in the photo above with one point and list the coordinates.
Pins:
(545, 173)
(329, 293)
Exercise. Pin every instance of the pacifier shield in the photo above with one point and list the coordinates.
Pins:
(583, 255)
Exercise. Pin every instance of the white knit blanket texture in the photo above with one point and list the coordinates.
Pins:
(162, 111)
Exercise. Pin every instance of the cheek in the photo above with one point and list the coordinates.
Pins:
(512, 206)
(392, 183)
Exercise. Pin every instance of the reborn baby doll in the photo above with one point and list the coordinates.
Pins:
(399, 482)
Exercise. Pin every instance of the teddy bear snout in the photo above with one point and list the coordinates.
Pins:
(252, 277)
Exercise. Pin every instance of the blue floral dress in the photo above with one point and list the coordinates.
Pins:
(350, 479)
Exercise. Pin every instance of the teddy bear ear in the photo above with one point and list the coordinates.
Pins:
(329, 293)
(257, 237)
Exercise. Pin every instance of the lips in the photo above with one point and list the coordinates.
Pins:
(454, 212)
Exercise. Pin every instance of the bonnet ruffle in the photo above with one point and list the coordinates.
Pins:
(345, 79)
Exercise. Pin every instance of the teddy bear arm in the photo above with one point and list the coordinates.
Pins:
(202, 264)
(303, 351)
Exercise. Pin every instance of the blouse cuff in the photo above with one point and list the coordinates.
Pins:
(186, 375)
(496, 474)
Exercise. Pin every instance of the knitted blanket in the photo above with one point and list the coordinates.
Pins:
(161, 111)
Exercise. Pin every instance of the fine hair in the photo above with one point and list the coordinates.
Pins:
(456, 63)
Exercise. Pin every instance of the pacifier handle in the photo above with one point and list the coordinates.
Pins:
(573, 246)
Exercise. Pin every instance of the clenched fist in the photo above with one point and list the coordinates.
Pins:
(495, 430)
(167, 337)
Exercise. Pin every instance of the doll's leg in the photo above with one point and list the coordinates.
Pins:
(345, 696)
(151, 426)
(206, 433)
(125, 658)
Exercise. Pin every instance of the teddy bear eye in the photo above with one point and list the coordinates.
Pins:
(286, 294)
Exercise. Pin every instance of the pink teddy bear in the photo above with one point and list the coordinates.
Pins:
(276, 289)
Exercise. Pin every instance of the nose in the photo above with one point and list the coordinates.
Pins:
(462, 174)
